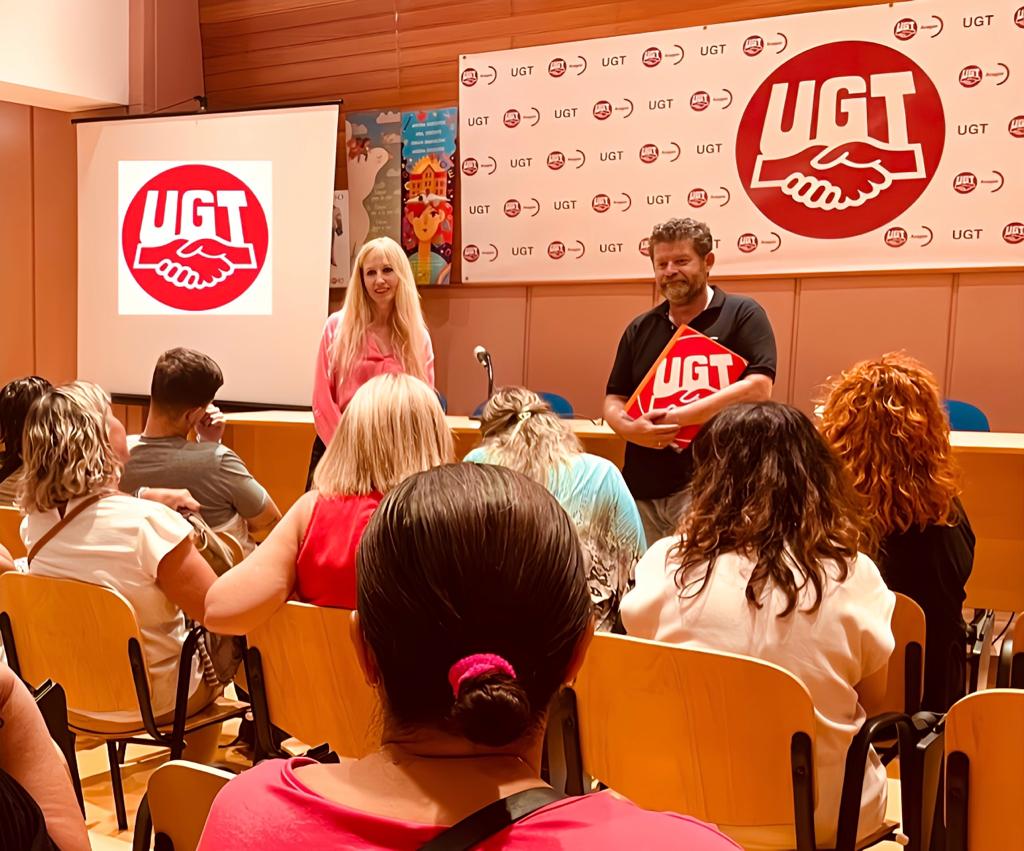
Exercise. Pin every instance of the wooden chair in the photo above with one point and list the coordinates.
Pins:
(304, 677)
(76, 634)
(180, 796)
(985, 771)
(10, 531)
(724, 738)
(905, 675)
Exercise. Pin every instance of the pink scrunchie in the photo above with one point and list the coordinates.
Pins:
(474, 666)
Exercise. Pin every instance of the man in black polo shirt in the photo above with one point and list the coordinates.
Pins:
(656, 472)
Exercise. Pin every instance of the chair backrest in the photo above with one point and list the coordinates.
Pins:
(314, 685)
(10, 531)
(559, 404)
(180, 796)
(73, 633)
(1017, 662)
(986, 728)
(908, 628)
(963, 416)
(703, 733)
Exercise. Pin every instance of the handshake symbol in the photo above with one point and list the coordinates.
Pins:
(838, 177)
(195, 264)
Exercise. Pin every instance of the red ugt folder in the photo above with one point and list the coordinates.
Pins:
(690, 368)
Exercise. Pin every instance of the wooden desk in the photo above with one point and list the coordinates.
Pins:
(276, 444)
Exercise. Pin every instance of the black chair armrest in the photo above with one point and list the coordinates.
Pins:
(873, 729)
(135, 656)
(1005, 663)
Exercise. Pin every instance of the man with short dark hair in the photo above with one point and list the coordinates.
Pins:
(185, 383)
(656, 472)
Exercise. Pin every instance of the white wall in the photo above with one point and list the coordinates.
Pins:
(64, 54)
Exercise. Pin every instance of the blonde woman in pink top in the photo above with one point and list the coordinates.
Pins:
(473, 611)
(379, 330)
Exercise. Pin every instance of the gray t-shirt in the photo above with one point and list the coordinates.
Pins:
(212, 472)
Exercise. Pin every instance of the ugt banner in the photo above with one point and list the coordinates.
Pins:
(880, 137)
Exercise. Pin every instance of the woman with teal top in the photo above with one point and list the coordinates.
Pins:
(521, 432)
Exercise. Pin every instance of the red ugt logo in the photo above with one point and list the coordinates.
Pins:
(840, 140)
(195, 237)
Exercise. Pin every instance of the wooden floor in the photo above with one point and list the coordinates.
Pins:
(141, 761)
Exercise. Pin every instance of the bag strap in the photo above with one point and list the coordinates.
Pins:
(60, 524)
(492, 819)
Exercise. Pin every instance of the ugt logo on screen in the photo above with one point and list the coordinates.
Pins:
(840, 140)
(194, 236)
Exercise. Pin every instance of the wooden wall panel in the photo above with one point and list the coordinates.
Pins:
(571, 338)
(846, 319)
(17, 339)
(55, 244)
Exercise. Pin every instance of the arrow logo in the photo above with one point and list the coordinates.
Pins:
(727, 99)
(782, 45)
(582, 65)
(724, 198)
(535, 207)
(582, 249)
(999, 181)
(581, 159)
(928, 236)
(628, 202)
(776, 240)
(492, 253)
(939, 27)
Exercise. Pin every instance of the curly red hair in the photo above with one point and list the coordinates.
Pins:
(886, 421)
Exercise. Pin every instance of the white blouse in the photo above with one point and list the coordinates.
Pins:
(846, 640)
(119, 542)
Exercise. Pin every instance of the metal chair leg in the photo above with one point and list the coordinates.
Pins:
(143, 827)
(115, 784)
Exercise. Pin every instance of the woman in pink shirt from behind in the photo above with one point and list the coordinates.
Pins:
(379, 330)
(392, 428)
(473, 611)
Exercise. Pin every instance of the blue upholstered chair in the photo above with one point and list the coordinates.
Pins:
(964, 416)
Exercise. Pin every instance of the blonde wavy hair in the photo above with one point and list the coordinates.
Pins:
(66, 451)
(392, 428)
(886, 421)
(408, 329)
(521, 432)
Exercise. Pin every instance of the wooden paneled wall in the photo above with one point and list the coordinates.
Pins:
(405, 53)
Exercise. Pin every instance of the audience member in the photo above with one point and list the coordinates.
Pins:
(473, 612)
(181, 399)
(393, 427)
(78, 526)
(766, 564)
(15, 399)
(379, 330)
(521, 432)
(38, 808)
(885, 419)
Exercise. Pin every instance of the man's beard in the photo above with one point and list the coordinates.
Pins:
(682, 291)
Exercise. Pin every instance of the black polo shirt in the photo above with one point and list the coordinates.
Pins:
(737, 322)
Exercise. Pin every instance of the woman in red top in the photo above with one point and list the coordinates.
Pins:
(393, 427)
(474, 610)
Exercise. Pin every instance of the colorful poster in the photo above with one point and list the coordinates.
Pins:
(374, 149)
(341, 257)
(691, 367)
(888, 136)
(428, 192)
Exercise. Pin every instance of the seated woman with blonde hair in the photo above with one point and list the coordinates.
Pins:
(393, 427)
(78, 526)
(521, 432)
(885, 419)
(766, 564)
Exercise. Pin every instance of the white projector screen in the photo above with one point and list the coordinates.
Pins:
(210, 231)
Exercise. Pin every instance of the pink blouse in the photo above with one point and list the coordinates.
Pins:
(332, 393)
(269, 807)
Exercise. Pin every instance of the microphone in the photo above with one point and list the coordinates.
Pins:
(484, 357)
